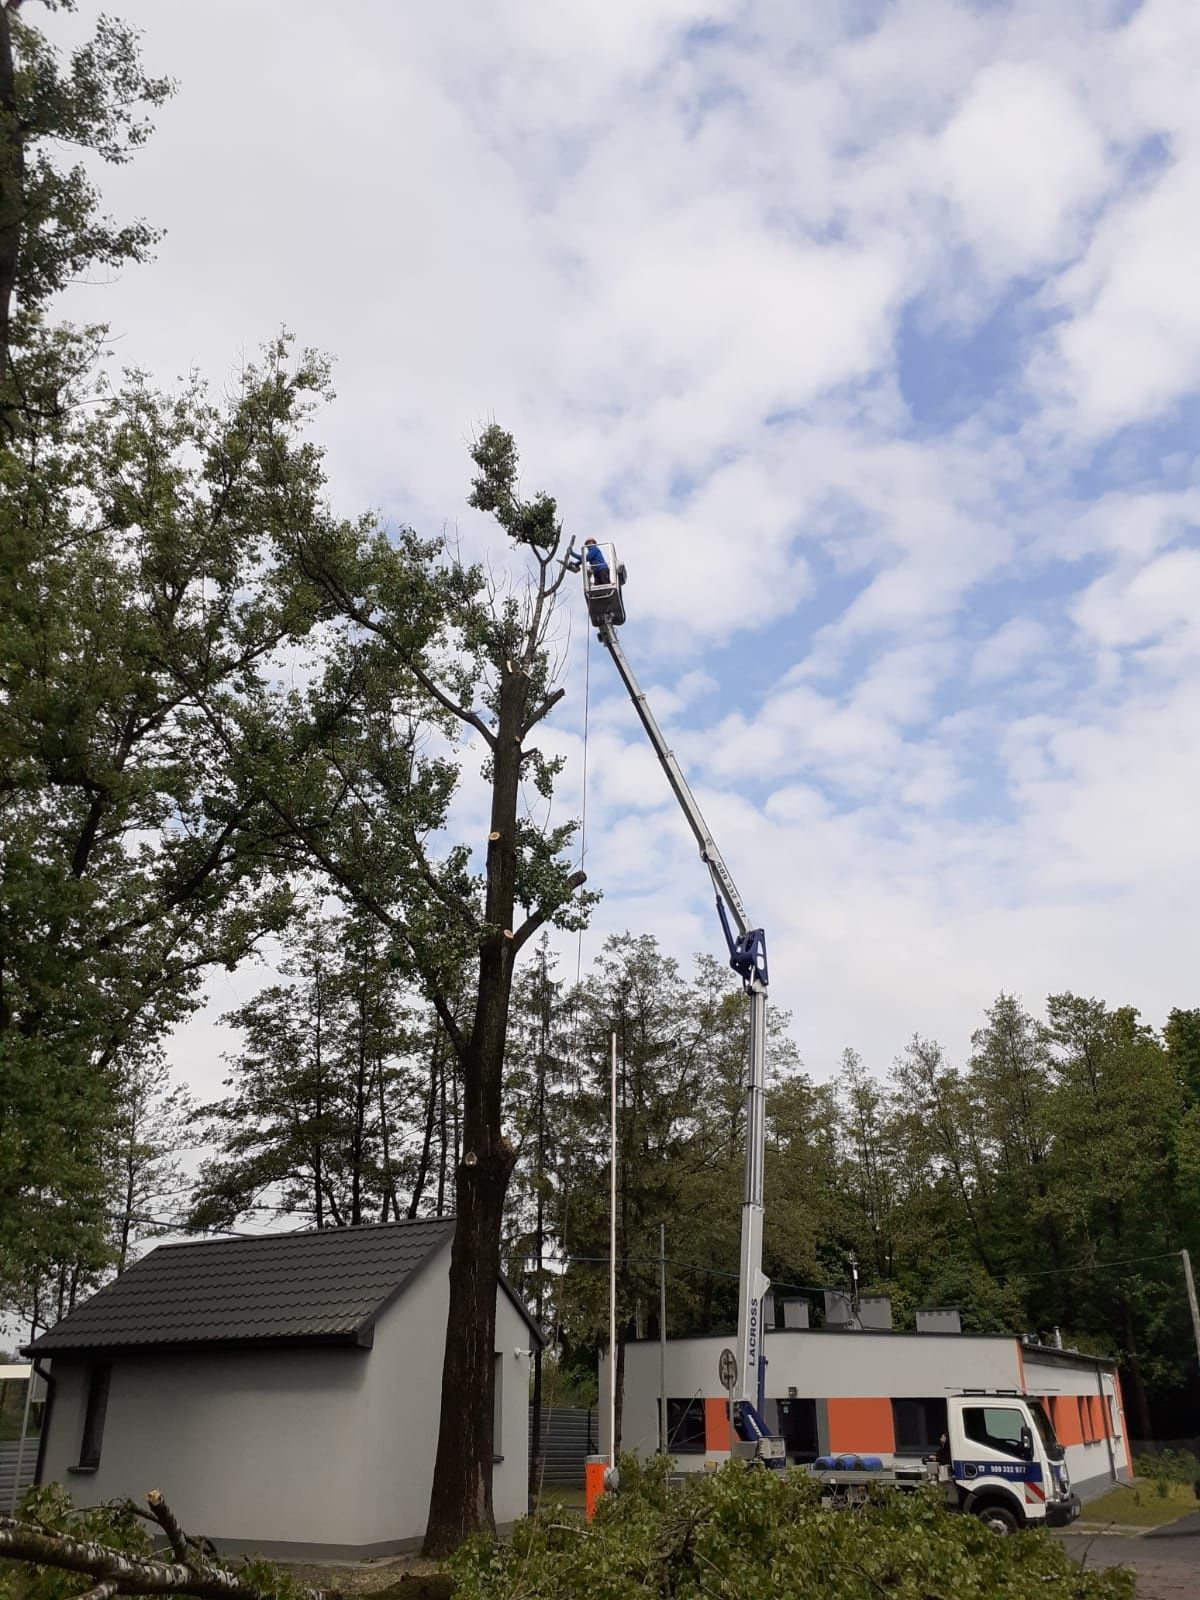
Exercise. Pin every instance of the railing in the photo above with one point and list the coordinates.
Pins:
(569, 1436)
(9, 1451)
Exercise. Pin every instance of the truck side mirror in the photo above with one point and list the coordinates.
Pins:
(1027, 1444)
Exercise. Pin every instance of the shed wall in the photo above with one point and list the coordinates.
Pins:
(259, 1447)
(300, 1452)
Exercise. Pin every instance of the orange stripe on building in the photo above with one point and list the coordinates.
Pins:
(1020, 1367)
(858, 1425)
(1064, 1413)
(717, 1432)
(1099, 1419)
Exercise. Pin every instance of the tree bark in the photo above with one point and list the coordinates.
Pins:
(461, 1500)
(12, 193)
(20, 1541)
(1139, 1406)
(435, 1071)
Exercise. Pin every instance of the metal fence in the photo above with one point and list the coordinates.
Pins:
(569, 1436)
(9, 1450)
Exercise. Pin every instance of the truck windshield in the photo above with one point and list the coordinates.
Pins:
(1045, 1428)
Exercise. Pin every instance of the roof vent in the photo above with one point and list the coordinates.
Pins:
(839, 1313)
(795, 1313)
(939, 1319)
(875, 1311)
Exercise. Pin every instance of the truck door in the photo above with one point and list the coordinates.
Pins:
(995, 1461)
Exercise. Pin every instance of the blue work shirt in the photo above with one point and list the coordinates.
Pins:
(595, 556)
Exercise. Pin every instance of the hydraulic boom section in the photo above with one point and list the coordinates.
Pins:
(748, 958)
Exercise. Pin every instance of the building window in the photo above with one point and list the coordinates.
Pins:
(685, 1427)
(918, 1425)
(997, 1427)
(1085, 1419)
(497, 1406)
(93, 1416)
(798, 1426)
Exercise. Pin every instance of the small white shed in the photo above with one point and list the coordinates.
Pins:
(282, 1391)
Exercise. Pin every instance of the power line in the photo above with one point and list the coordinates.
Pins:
(822, 1288)
(1092, 1266)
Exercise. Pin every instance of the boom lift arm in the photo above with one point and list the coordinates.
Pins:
(748, 958)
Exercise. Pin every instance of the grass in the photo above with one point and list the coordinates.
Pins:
(1139, 1505)
(573, 1499)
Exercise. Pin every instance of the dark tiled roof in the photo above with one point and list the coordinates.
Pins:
(325, 1287)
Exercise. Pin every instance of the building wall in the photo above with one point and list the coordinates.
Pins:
(260, 1447)
(1084, 1402)
(854, 1376)
(294, 1452)
(401, 1430)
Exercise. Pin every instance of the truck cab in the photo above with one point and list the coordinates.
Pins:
(1005, 1464)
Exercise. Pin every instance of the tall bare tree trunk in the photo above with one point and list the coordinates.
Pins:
(461, 1501)
(435, 1071)
(12, 196)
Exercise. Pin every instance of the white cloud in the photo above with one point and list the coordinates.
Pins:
(1010, 647)
(1131, 349)
(1021, 160)
(1153, 602)
(681, 275)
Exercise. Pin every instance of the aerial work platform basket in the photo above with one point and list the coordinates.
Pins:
(603, 583)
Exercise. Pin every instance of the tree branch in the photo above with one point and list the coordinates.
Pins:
(168, 1522)
(442, 1006)
(356, 614)
(101, 1591)
(114, 1571)
(542, 710)
(532, 923)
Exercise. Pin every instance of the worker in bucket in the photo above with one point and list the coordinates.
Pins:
(597, 562)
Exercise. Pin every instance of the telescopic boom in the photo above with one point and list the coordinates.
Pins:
(748, 958)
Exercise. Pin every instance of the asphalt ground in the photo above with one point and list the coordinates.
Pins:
(1167, 1561)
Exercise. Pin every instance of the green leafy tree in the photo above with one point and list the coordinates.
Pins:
(51, 225)
(426, 664)
(151, 1129)
(331, 1115)
(1116, 1107)
(135, 596)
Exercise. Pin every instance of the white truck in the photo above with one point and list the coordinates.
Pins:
(998, 1460)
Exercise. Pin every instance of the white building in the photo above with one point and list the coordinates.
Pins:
(283, 1391)
(843, 1389)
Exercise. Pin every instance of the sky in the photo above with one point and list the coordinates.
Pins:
(869, 333)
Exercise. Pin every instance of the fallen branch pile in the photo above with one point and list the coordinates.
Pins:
(192, 1572)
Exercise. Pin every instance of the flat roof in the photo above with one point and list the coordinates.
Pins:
(923, 1336)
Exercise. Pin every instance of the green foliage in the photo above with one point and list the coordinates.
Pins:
(90, 102)
(136, 604)
(1168, 1466)
(756, 1535)
(335, 1095)
(120, 1526)
(1005, 1188)
(533, 522)
(49, 1508)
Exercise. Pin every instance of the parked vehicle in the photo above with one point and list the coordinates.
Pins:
(999, 1460)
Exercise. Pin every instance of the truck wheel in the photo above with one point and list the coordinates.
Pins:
(999, 1519)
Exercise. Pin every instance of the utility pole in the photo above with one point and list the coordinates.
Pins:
(539, 1237)
(612, 1258)
(662, 1338)
(1191, 1294)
